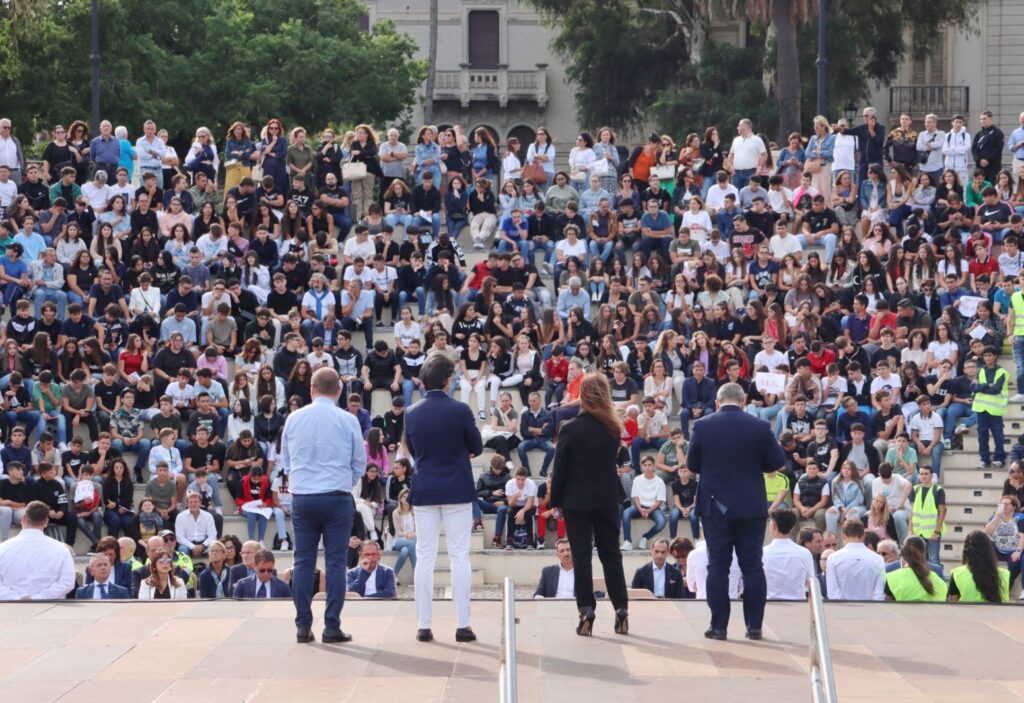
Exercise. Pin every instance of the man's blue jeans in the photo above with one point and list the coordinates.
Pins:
(421, 299)
(326, 516)
(741, 177)
(639, 445)
(990, 423)
(141, 450)
(953, 414)
(1018, 358)
(536, 443)
(676, 515)
(633, 512)
(31, 419)
(934, 545)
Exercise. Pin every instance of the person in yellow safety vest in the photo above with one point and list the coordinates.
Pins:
(980, 579)
(915, 581)
(928, 512)
(991, 398)
(1015, 327)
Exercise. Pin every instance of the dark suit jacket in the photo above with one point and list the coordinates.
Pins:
(585, 470)
(547, 587)
(237, 573)
(384, 579)
(674, 587)
(113, 592)
(247, 587)
(731, 471)
(441, 434)
(122, 575)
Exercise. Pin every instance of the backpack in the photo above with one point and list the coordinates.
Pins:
(520, 537)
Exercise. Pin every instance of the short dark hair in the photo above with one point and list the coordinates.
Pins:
(436, 371)
(784, 520)
(263, 555)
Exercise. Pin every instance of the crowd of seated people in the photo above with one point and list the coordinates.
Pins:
(159, 332)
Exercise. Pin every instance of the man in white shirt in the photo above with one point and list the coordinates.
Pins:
(648, 497)
(855, 572)
(195, 528)
(33, 566)
(844, 153)
(957, 148)
(770, 357)
(558, 580)
(697, 573)
(896, 490)
(787, 565)
(97, 192)
(784, 243)
(715, 200)
(926, 432)
(748, 154)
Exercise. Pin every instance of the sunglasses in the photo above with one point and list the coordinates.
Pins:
(164, 560)
(265, 571)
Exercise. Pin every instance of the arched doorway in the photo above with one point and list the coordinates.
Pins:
(526, 136)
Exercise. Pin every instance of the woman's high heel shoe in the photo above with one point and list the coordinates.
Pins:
(622, 621)
(586, 626)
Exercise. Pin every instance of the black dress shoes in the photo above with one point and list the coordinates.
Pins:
(713, 634)
(753, 634)
(424, 635)
(304, 636)
(465, 634)
(622, 621)
(338, 637)
(586, 625)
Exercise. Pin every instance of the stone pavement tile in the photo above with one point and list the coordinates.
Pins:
(1015, 686)
(559, 689)
(208, 632)
(165, 610)
(859, 672)
(114, 630)
(13, 658)
(41, 633)
(303, 690)
(250, 630)
(69, 663)
(211, 689)
(739, 657)
(231, 659)
(323, 661)
(224, 608)
(399, 689)
(1012, 628)
(957, 690)
(76, 610)
(35, 691)
(141, 663)
(431, 660)
(23, 610)
(94, 690)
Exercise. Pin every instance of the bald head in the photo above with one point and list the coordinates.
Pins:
(249, 550)
(127, 547)
(325, 382)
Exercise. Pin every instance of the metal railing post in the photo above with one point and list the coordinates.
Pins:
(507, 677)
(823, 685)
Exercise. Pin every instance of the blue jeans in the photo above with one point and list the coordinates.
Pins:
(741, 177)
(394, 219)
(597, 288)
(829, 240)
(434, 223)
(406, 549)
(522, 244)
(342, 223)
(990, 423)
(934, 547)
(141, 450)
(1018, 358)
(640, 444)
(421, 299)
(602, 250)
(536, 443)
(31, 418)
(455, 227)
(327, 516)
(408, 387)
(254, 521)
(60, 421)
(953, 414)
(118, 524)
(482, 506)
(41, 295)
(673, 522)
(633, 512)
(547, 247)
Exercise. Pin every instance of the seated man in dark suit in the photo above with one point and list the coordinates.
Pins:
(371, 579)
(658, 576)
(262, 584)
(102, 586)
(558, 580)
(248, 565)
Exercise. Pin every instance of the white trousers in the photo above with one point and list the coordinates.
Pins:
(474, 381)
(458, 527)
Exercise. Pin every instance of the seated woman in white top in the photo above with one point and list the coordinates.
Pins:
(163, 583)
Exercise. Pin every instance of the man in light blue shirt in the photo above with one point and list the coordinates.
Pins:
(573, 296)
(1016, 143)
(357, 310)
(322, 453)
(179, 322)
(32, 243)
(105, 151)
(48, 278)
(150, 149)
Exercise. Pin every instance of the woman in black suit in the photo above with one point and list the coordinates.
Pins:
(585, 487)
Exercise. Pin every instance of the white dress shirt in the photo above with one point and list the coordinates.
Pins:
(697, 573)
(35, 567)
(566, 583)
(370, 587)
(855, 573)
(191, 531)
(267, 588)
(787, 566)
(97, 591)
(659, 580)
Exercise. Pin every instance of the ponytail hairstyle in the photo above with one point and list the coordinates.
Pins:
(915, 556)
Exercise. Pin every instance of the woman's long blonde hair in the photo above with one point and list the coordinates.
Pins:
(596, 401)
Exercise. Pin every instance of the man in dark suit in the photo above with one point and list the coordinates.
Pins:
(369, 578)
(102, 586)
(442, 437)
(731, 504)
(263, 583)
(658, 576)
(248, 566)
(560, 574)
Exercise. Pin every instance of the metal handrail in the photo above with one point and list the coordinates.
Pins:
(823, 684)
(507, 679)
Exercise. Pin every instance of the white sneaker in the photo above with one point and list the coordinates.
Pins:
(961, 429)
(643, 544)
(1018, 398)
(546, 268)
(947, 444)
(627, 546)
(477, 246)
(285, 546)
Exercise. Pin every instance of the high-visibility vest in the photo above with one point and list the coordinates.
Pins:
(969, 593)
(926, 513)
(904, 586)
(992, 403)
(1017, 303)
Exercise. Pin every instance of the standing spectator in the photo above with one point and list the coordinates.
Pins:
(987, 147)
(32, 566)
(928, 513)
(991, 398)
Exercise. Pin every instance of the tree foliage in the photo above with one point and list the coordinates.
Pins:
(204, 62)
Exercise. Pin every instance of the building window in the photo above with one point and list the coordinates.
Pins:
(484, 49)
(363, 22)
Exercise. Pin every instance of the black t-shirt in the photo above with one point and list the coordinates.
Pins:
(75, 461)
(891, 355)
(20, 493)
(208, 420)
(622, 393)
(94, 456)
(821, 453)
(381, 366)
(800, 425)
(108, 395)
(205, 456)
(819, 221)
(282, 303)
(687, 492)
(169, 362)
(880, 423)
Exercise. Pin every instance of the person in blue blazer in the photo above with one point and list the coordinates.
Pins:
(369, 568)
(103, 586)
(673, 587)
(262, 584)
(442, 437)
(731, 504)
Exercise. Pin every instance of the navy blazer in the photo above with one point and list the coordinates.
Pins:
(247, 587)
(384, 578)
(441, 434)
(207, 586)
(674, 588)
(113, 592)
(732, 472)
(122, 575)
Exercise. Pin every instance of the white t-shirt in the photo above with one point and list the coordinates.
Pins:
(746, 151)
(781, 246)
(886, 384)
(892, 492)
(529, 489)
(353, 248)
(772, 360)
(579, 250)
(716, 195)
(365, 276)
(777, 198)
(844, 153)
(382, 279)
(836, 391)
(925, 426)
(8, 192)
(942, 350)
(97, 196)
(649, 491)
(405, 335)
